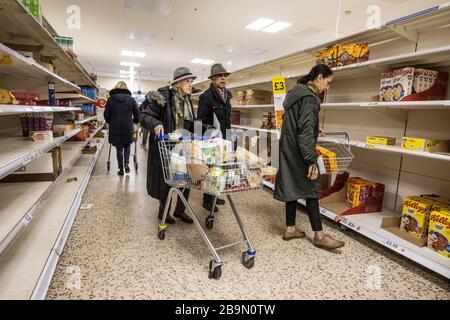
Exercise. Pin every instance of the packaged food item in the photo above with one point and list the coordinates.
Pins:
(413, 84)
(397, 84)
(257, 97)
(41, 135)
(381, 140)
(329, 158)
(361, 192)
(415, 215)
(235, 117)
(343, 54)
(27, 99)
(273, 120)
(62, 129)
(418, 144)
(241, 98)
(265, 121)
(439, 231)
(178, 167)
(6, 97)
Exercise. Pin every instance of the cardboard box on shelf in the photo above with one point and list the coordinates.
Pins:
(370, 202)
(381, 140)
(41, 135)
(235, 117)
(419, 144)
(90, 150)
(415, 216)
(258, 97)
(83, 135)
(343, 54)
(392, 225)
(413, 84)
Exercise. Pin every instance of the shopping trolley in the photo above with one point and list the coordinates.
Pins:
(185, 167)
(339, 144)
(135, 160)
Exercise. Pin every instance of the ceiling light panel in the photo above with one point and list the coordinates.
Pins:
(161, 7)
(130, 64)
(277, 27)
(259, 24)
(127, 53)
(197, 60)
(207, 62)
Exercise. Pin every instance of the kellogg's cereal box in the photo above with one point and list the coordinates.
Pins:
(415, 215)
(439, 231)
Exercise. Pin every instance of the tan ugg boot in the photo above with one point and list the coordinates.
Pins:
(328, 243)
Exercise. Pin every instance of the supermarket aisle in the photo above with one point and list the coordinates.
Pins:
(115, 248)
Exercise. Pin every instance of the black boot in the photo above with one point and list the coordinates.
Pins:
(127, 168)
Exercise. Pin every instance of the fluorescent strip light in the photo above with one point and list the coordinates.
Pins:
(259, 24)
(126, 72)
(127, 53)
(130, 64)
(277, 26)
(197, 60)
(207, 62)
(139, 54)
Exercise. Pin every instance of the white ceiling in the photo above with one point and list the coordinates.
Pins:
(206, 29)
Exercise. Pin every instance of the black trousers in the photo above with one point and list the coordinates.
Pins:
(312, 206)
(121, 157)
(180, 205)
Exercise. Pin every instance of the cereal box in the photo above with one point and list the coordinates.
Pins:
(418, 144)
(361, 191)
(415, 214)
(397, 84)
(439, 231)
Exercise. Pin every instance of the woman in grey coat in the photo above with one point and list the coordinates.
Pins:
(298, 175)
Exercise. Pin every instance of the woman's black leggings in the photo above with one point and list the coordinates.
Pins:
(121, 157)
(313, 211)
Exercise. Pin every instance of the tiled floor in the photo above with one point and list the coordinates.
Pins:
(113, 253)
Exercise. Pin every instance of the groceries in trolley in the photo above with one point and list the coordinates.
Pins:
(210, 165)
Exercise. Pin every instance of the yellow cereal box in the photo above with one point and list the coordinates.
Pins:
(381, 140)
(439, 232)
(418, 144)
(415, 215)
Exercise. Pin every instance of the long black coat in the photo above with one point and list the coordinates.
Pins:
(298, 146)
(120, 113)
(159, 109)
(211, 104)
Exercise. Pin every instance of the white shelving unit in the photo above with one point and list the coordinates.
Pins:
(397, 149)
(86, 120)
(16, 151)
(253, 129)
(15, 16)
(24, 73)
(419, 40)
(36, 217)
(369, 226)
(43, 240)
(20, 109)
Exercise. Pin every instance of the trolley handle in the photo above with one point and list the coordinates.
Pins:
(166, 137)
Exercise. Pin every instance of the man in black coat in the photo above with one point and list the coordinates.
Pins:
(214, 109)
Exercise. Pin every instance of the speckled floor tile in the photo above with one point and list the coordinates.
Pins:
(115, 247)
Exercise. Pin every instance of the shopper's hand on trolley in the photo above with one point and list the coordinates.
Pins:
(159, 130)
(313, 172)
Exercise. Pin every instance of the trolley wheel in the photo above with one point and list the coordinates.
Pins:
(108, 165)
(209, 223)
(162, 234)
(247, 263)
(216, 273)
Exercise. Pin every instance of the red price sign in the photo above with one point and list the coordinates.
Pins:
(101, 103)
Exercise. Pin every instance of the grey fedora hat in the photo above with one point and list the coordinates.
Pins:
(182, 73)
(218, 69)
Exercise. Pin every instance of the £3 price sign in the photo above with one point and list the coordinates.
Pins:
(279, 94)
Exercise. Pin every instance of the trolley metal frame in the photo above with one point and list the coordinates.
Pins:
(215, 265)
(135, 160)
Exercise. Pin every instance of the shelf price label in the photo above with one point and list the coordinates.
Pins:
(353, 226)
(392, 245)
(27, 219)
(371, 104)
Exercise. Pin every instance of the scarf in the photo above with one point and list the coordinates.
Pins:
(183, 109)
(313, 88)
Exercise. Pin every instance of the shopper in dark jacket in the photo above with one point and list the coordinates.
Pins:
(168, 109)
(298, 175)
(120, 113)
(214, 109)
